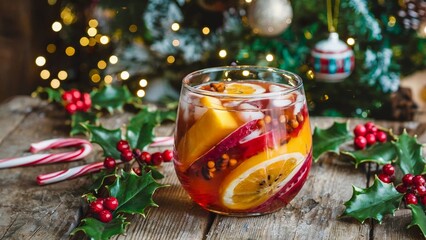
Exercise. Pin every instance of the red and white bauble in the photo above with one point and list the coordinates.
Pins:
(333, 60)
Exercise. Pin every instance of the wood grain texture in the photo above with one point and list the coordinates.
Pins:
(28, 211)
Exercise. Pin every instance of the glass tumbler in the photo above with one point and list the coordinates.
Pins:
(243, 143)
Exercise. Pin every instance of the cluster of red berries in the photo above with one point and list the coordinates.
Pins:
(127, 155)
(367, 134)
(413, 186)
(76, 101)
(102, 208)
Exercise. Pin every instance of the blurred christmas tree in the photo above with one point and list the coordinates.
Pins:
(152, 44)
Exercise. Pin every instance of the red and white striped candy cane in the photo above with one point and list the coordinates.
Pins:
(74, 172)
(161, 142)
(45, 158)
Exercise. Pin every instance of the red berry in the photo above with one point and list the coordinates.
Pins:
(109, 163)
(111, 203)
(67, 96)
(96, 206)
(137, 152)
(410, 198)
(384, 178)
(157, 158)
(101, 200)
(137, 171)
(401, 188)
(388, 169)
(370, 127)
(421, 190)
(423, 200)
(371, 139)
(360, 130)
(418, 180)
(360, 142)
(381, 136)
(71, 108)
(146, 157)
(87, 100)
(105, 216)
(123, 145)
(126, 155)
(76, 95)
(167, 155)
(80, 105)
(407, 179)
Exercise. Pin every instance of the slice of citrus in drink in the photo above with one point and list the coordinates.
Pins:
(256, 180)
(243, 88)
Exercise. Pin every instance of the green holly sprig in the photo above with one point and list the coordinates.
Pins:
(403, 151)
(134, 191)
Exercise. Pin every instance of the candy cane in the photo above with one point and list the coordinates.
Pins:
(162, 141)
(45, 158)
(74, 172)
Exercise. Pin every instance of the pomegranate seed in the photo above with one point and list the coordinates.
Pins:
(122, 145)
(401, 188)
(109, 163)
(156, 158)
(167, 155)
(76, 95)
(146, 157)
(71, 108)
(371, 139)
(410, 198)
(126, 155)
(388, 169)
(67, 96)
(360, 130)
(105, 216)
(384, 178)
(381, 136)
(111, 203)
(421, 190)
(407, 179)
(418, 180)
(96, 206)
(360, 142)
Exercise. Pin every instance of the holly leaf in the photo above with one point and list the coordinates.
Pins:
(82, 117)
(106, 138)
(373, 202)
(330, 139)
(100, 180)
(140, 131)
(155, 173)
(53, 95)
(133, 192)
(98, 230)
(410, 158)
(380, 153)
(111, 97)
(418, 217)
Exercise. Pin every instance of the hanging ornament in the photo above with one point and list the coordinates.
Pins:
(269, 17)
(216, 5)
(333, 60)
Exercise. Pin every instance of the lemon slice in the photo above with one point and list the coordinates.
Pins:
(255, 181)
(243, 88)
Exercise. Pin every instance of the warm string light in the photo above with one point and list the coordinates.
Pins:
(62, 75)
(141, 92)
(175, 27)
(40, 61)
(222, 53)
(170, 59)
(56, 26)
(113, 59)
(205, 30)
(350, 41)
(124, 75)
(269, 57)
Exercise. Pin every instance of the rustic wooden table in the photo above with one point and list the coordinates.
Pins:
(29, 211)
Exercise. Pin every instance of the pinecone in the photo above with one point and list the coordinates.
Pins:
(412, 13)
(403, 106)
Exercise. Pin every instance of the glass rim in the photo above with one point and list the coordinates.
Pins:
(299, 83)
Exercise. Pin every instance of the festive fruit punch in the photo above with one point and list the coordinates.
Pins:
(243, 143)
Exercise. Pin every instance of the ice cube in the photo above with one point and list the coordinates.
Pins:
(249, 112)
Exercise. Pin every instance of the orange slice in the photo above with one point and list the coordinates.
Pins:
(243, 88)
(255, 180)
